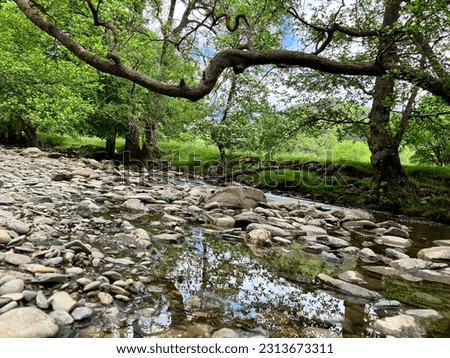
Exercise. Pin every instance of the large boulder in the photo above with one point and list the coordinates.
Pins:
(438, 253)
(401, 326)
(27, 322)
(235, 197)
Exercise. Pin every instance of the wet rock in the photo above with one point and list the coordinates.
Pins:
(198, 331)
(394, 231)
(361, 224)
(18, 226)
(225, 333)
(62, 301)
(173, 219)
(438, 254)
(442, 242)
(401, 326)
(27, 322)
(347, 288)
(235, 197)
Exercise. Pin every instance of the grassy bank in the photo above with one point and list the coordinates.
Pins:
(334, 177)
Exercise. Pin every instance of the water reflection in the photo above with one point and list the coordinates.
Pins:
(209, 281)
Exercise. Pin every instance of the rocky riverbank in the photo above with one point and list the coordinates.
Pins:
(71, 257)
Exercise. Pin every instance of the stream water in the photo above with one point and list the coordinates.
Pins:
(207, 281)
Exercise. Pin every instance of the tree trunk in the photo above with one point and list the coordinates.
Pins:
(150, 148)
(110, 146)
(391, 186)
(132, 142)
(30, 133)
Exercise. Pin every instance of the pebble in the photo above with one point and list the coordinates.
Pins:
(81, 313)
(16, 259)
(62, 301)
(61, 317)
(12, 286)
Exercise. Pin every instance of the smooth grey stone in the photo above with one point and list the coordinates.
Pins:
(347, 288)
(62, 301)
(112, 275)
(368, 255)
(81, 313)
(49, 278)
(54, 261)
(27, 322)
(75, 271)
(438, 253)
(5, 300)
(167, 238)
(393, 241)
(62, 318)
(388, 305)
(275, 231)
(12, 286)
(394, 231)
(353, 277)
(18, 226)
(225, 333)
(401, 326)
(29, 295)
(92, 286)
(8, 307)
(16, 259)
(41, 300)
(424, 313)
(120, 261)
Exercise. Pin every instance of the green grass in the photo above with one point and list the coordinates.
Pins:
(63, 142)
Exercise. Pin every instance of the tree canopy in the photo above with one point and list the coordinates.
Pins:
(419, 35)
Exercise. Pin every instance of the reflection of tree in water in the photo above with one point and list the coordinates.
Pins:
(236, 291)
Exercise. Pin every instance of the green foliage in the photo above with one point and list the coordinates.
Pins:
(299, 263)
(39, 88)
(429, 132)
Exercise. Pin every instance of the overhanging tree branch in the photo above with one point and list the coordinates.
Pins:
(239, 61)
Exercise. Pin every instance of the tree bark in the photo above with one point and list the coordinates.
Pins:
(132, 142)
(150, 149)
(110, 146)
(391, 185)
